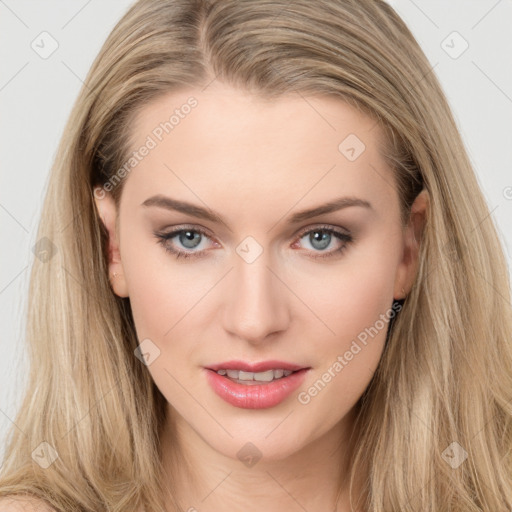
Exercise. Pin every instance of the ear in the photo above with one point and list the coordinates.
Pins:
(406, 273)
(107, 211)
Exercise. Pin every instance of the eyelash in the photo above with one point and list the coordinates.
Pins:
(164, 237)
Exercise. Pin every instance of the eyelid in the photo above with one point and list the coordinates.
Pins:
(320, 226)
(176, 229)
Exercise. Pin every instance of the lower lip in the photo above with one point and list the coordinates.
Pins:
(255, 396)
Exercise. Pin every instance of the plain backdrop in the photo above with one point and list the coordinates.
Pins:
(468, 43)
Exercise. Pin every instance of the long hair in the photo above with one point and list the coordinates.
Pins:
(434, 432)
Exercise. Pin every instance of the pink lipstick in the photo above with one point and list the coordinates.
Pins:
(255, 385)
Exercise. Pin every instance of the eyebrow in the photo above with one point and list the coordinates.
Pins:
(168, 203)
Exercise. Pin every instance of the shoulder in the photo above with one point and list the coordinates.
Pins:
(23, 504)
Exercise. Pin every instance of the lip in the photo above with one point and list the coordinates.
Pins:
(261, 366)
(255, 396)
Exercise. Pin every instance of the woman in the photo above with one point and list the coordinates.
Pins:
(276, 284)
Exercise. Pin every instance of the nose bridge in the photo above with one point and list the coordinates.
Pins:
(256, 306)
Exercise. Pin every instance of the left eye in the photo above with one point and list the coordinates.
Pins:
(319, 238)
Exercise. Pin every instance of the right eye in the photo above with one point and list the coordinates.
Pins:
(189, 238)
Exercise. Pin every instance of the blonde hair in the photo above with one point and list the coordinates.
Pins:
(445, 375)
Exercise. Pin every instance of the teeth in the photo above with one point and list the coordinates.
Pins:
(267, 376)
(278, 373)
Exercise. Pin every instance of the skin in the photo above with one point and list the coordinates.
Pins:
(256, 162)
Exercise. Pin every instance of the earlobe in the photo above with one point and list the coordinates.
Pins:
(406, 273)
(107, 212)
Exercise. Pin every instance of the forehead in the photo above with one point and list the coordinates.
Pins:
(241, 147)
(220, 110)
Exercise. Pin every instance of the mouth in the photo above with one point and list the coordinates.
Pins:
(255, 386)
(261, 372)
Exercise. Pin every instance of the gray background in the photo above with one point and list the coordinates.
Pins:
(36, 96)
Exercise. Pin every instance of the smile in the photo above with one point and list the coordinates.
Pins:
(245, 389)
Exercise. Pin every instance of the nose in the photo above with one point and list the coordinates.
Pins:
(257, 305)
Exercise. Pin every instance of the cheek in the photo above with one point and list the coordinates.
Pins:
(162, 292)
(355, 305)
(168, 301)
(352, 294)
(162, 304)
(166, 307)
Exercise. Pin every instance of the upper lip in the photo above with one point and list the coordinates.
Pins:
(261, 366)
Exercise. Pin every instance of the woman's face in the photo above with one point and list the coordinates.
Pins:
(250, 278)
